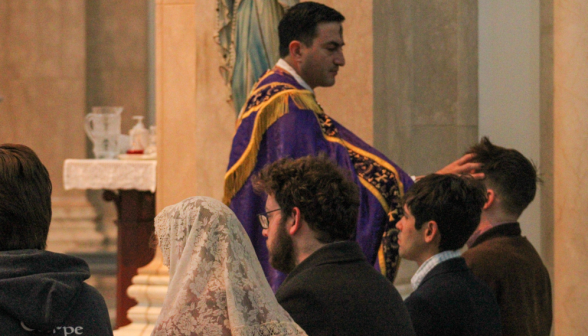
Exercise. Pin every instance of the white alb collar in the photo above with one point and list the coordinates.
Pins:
(284, 65)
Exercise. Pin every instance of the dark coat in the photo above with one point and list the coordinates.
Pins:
(512, 268)
(46, 292)
(336, 292)
(451, 301)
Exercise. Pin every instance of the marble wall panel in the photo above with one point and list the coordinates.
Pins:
(425, 53)
(44, 94)
(3, 35)
(40, 118)
(393, 79)
(117, 65)
(48, 54)
(438, 145)
(467, 64)
(435, 59)
(73, 58)
(570, 162)
(177, 2)
(21, 39)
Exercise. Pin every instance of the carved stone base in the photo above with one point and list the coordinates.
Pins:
(73, 226)
(149, 289)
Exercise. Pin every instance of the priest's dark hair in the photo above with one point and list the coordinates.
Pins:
(300, 22)
(25, 199)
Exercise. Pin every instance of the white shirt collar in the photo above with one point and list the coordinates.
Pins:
(284, 65)
(428, 265)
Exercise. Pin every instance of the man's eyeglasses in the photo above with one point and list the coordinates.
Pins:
(264, 219)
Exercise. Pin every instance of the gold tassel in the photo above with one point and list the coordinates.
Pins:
(268, 114)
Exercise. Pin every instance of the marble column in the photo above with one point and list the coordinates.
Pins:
(425, 56)
(546, 133)
(195, 121)
(425, 81)
(570, 165)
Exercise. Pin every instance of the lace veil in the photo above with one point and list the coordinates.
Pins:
(217, 286)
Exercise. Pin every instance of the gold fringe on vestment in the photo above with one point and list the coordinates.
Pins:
(268, 113)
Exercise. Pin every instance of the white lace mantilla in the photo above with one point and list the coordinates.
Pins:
(217, 286)
(109, 174)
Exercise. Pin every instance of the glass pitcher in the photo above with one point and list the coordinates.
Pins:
(103, 128)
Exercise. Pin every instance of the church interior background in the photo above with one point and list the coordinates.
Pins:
(423, 81)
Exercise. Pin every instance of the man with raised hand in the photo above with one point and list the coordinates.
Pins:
(282, 118)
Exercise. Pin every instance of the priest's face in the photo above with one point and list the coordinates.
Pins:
(279, 243)
(320, 62)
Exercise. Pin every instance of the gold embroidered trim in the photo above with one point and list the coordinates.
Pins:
(382, 261)
(376, 159)
(371, 188)
(245, 114)
(268, 113)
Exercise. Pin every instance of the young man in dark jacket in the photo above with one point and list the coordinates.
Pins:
(40, 292)
(440, 213)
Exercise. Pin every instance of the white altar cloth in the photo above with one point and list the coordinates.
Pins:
(109, 174)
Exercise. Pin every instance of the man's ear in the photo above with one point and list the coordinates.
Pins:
(296, 222)
(490, 199)
(431, 231)
(295, 48)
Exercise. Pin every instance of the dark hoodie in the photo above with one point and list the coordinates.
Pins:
(44, 293)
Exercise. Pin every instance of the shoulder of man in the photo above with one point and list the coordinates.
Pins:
(307, 308)
(423, 314)
(89, 316)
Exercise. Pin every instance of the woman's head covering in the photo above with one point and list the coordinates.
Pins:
(217, 286)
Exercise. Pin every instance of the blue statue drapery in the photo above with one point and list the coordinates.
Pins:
(248, 37)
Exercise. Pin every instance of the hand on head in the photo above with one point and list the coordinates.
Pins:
(463, 165)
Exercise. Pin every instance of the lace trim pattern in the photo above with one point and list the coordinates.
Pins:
(109, 174)
(217, 286)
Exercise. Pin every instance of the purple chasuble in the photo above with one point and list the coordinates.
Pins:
(282, 119)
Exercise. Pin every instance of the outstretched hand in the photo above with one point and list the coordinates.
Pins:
(463, 165)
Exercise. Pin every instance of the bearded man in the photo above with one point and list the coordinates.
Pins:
(331, 289)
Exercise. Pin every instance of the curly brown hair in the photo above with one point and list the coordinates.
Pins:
(325, 194)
